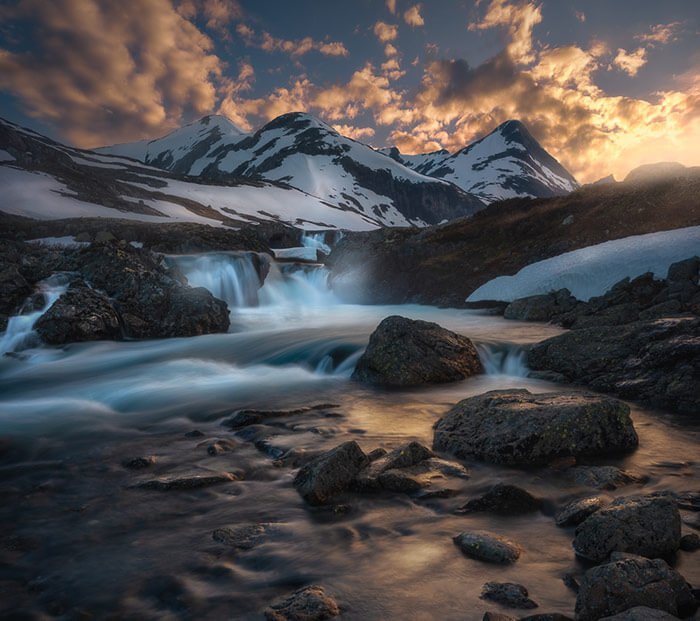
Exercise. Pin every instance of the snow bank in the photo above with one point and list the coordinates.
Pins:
(300, 253)
(591, 271)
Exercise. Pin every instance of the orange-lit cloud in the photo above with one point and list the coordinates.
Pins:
(661, 34)
(391, 5)
(413, 17)
(356, 133)
(385, 32)
(630, 62)
(295, 48)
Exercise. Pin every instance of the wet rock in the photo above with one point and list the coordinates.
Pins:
(515, 427)
(195, 433)
(503, 499)
(405, 352)
(14, 289)
(541, 307)
(690, 543)
(242, 536)
(220, 447)
(508, 594)
(623, 584)
(645, 525)
(487, 547)
(570, 582)
(245, 418)
(642, 613)
(604, 477)
(656, 361)
(310, 603)
(140, 463)
(548, 616)
(297, 457)
(196, 481)
(80, 314)
(375, 454)
(684, 271)
(497, 616)
(330, 473)
(576, 512)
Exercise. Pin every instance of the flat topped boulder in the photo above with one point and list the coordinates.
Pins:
(407, 352)
(515, 427)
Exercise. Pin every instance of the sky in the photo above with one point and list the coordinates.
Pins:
(604, 85)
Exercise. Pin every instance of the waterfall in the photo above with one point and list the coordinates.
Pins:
(315, 239)
(503, 359)
(20, 328)
(235, 278)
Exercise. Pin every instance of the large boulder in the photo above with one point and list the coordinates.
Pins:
(645, 525)
(657, 361)
(541, 307)
(80, 314)
(407, 352)
(515, 427)
(332, 472)
(642, 613)
(634, 581)
(488, 547)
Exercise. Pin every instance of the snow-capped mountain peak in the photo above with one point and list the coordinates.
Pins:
(506, 163)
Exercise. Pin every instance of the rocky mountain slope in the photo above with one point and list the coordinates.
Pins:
(507, 163)
(445, 264)
(305, 153)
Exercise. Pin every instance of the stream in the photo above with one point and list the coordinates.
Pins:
(80, 542)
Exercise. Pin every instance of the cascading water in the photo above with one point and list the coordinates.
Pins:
(20, 328)
(503, 359)
(315, 239)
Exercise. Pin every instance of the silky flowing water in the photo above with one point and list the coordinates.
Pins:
(78, 541)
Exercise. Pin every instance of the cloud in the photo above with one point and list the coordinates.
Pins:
(356, 133)
(385, 32)
(391, 5)
(580, 16)
(413, 17)
(630, 62)
(661, 34)
(294, 48)
(148, 67)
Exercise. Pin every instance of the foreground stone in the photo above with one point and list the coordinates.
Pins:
(310, 603)
(503, 499)
(484, 546)
(241, 536)
(508, 594)
(406, 352)
(645, 525)
(656, 361)
(320, 480)
(515, 427)
(604, 477)
(576, 512)
(623, 584)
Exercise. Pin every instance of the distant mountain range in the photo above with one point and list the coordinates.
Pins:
(295, 169)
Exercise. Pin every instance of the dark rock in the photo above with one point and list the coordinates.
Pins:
(550, 616)
(220, 447)
(80, 314)
(604, 477)
(683, 271)
(245, 418)
(623, 584)
(503, 499)
(662, 309)
(690, 543)
(404, 352)
(515, 427)
(655, 361)
(14, 289)
(576, 512)
(297, 457)
(330, 473)
(508, 594)
(570, 582)
(541, 307)
(642, 613)
(487, 547)
(139, 463)
(310, 603)
(242, 536)
(645, 525)
(196, 481)
(195, 433)
(375, 454)
(497, 616)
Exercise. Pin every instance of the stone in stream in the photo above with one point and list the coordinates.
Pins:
(645, 525)
(332, 472)
(310, 603)
(241, 536)
(690, 543)
(515, 427)
(508, 594)
(613, 588)
(604, 477)
(503, 499)
(245, 418)
(187, 482)
(407, 352)
(577, 511)
(487, 547)
(641, 613)
(139, 463)
(219, 447)
(80, 314)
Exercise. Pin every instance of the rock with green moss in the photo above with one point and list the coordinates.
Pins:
(406, 352)
(515, 427)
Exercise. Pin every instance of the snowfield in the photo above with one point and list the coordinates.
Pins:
(591, 271)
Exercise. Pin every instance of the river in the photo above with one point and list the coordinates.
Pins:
(78, 539)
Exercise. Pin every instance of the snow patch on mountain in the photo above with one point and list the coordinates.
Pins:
(592, 271)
